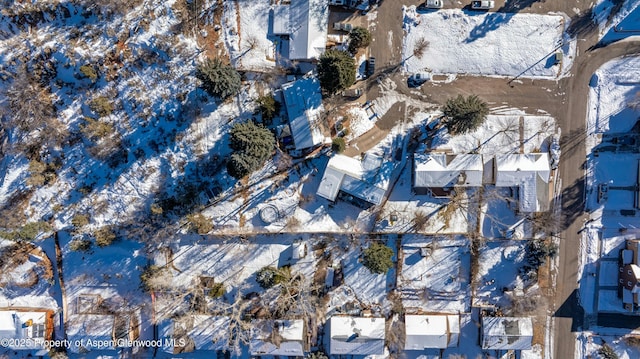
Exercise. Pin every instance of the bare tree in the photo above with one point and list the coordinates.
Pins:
(420, 47)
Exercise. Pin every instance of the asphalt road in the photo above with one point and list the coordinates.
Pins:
(566, 100)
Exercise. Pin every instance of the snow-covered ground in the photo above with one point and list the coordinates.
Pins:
(625, 23)
(499, 265)
(435, 274)
(493, 44)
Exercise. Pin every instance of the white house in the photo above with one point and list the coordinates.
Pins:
(441, 170)
(367, 179)
(199, 332)
(303, 100)
(503, 333)
(305, 23)
(530, 174)
(355, 336)
(29, 324)
(277, 338)
(431, 331)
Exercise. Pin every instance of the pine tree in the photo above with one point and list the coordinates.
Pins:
(377, 258)
(359, 37)
(253, 146)
(336, 71)
(464, 114)
(218, 79)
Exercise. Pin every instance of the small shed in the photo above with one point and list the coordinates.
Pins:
(504, 333)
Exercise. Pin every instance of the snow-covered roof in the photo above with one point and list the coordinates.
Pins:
(90, 327)
(530, 173)
(431, 331)
(627, 256)
(281, 20)
(207, 332)
(303, 101)
(356, 336)
(308, 23)
(277, 337)
(499, 333)
(443, 170)
(367, 179)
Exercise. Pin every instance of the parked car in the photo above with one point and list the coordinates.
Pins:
(353, 93)
(418, 79)
(342, 26)
(483, 4)
(336, 2)
(371, 66)
(432, 4)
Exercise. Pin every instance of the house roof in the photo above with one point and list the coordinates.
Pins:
(442, 170)
(356, 336)
(499, 333)
(303, 101)
(530, 173)
(431, 331)
(277, 337)
(634, 245)
(94, 327)
(308, 24)
(367, 179)
(281, 17)
(207, 332)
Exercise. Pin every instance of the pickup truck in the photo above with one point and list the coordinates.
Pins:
(483, 4)
(353, 93)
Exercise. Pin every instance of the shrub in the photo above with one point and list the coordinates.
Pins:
(317, 355)
(464, 114)
(338, 145)
(359, 37)
(41, 173)
(95, 129)
(102, 106)
(218, 79)
(104, 236)
(89, 72)
(80, 220)
(336, 71)
(253, 145)
(377, 258)
(267, 277)
(156, 209)
(268, 107)
(607, 352)
(154, 277)
(80, 245)
(200, 224)
(217, 290)
(28, 232)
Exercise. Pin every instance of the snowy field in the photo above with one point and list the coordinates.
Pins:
(439, 281)
(493, 44)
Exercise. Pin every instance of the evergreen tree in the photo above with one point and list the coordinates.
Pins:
(377, 258)
(464, 114)
(336, 71)
(252, 144)
(218, 79)
(359, 37)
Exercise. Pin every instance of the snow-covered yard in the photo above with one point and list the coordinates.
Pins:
(493, 44)
(435, 274)
(499, 265)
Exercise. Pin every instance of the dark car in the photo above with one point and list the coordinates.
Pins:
(371, 66)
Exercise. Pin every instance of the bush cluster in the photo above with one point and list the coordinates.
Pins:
(218, 79)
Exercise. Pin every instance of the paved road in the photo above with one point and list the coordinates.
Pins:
(566, 100)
